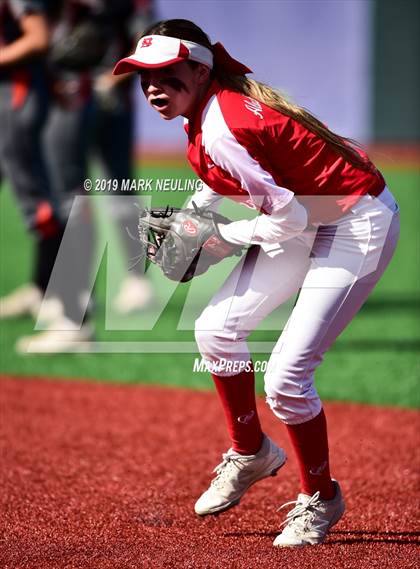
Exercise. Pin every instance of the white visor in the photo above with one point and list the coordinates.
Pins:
(159, 51)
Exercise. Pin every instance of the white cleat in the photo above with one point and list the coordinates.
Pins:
(135, 293)
(310, 520)
(62, 336)
(23, 301)
(236, 474)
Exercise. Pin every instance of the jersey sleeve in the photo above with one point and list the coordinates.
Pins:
(234, 157)
(288, 222)
(283, 218)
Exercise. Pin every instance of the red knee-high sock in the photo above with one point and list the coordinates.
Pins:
(237, 395)
(310, 444)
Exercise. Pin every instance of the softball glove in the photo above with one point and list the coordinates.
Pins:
(184, 243)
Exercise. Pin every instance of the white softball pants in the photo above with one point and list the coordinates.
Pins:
(334, 266)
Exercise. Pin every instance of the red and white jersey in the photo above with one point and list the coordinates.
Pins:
(252, 153)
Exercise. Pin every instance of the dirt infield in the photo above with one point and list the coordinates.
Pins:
(104, 477)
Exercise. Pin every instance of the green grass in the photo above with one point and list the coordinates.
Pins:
(374, 361)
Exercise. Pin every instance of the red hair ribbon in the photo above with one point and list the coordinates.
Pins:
(225, 62)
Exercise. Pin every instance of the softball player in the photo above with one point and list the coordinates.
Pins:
(328, 227)
(24, 40)
(113, 136)
(29, 23)
(89, 109)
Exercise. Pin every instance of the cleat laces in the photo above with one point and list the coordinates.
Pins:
(302, 513)
(227, 468)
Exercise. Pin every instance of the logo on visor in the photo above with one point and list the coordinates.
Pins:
(147, 42)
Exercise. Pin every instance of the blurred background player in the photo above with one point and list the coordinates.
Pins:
(28, 24)
(24, 40)
(113, 137)
(93, 111)
(90, 110)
